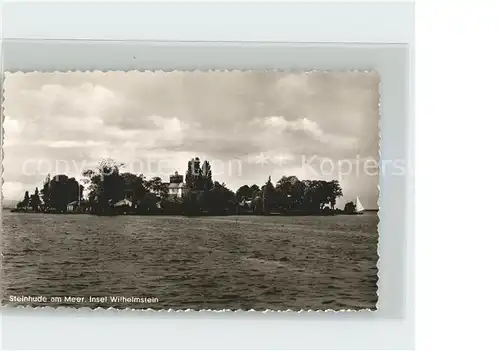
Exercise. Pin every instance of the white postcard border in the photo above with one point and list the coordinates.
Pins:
(390, 327)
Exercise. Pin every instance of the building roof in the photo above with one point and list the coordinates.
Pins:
(73, 203)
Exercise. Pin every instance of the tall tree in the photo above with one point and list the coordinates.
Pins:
(267, 196)
(317, 192)
(350, 207)
(26, 201)
(334, 191)
(61, 191)
(35, 201)
(155, 185)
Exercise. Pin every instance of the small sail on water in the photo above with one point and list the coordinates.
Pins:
(359, 206)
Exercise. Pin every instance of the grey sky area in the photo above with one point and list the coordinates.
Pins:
(249, 125)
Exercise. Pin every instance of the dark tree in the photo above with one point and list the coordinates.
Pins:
(206, 176)
(46, 191)
(335, 190)
(158, 187)
(268, 195)
(26, 200)
(199, 177)
(198, 183)
(290, 193)
(148, 203)
(134, 187)
(257, 205)
(61, 191)
(155, 185)
(317, 192)
(255, 190)
(244, 193)
(23, 205)
(192, 201)
(172, 205)
(106, 185)
(193, 174)
(221, 200)
(350, 207)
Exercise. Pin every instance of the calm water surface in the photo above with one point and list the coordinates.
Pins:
(199, 263)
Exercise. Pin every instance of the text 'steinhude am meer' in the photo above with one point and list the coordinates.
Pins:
(251, 190)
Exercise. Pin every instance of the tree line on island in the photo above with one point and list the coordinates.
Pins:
(111, 192)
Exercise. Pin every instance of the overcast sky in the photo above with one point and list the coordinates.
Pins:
(267, 123)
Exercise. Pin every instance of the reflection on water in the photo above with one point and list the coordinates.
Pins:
(247, 262)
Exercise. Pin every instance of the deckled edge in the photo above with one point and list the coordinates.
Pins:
(2, 135)
(380, 176)
(187, 310)
(197, 70)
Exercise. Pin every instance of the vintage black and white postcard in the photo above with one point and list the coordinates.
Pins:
(217, 190)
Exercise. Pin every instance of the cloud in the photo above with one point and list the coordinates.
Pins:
(305, 132)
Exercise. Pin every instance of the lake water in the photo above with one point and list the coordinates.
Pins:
(235, 262)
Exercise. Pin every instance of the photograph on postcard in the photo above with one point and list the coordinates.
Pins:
(200, 190)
